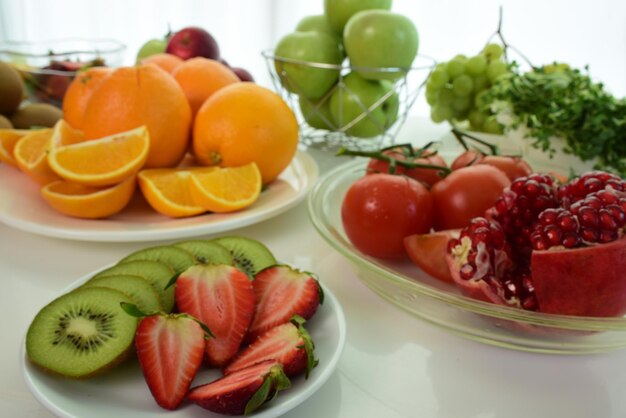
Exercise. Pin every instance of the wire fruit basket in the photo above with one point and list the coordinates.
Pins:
(343, 116)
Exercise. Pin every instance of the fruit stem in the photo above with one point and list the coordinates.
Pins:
(460, 135)
(393, 162)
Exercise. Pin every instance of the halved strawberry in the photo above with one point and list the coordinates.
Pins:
(289, 344)
(170, 348)
(282, 292)
(243, 391)
(222, 297)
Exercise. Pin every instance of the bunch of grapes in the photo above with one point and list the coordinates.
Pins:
(455, 89)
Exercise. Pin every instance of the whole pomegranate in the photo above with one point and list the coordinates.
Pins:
(548, 247)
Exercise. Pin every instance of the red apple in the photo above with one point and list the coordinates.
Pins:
(243, 74)
(193, 42)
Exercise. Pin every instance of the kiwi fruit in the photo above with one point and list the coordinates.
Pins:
(36, 115)
(137, 288)
(82, 333)
(11, 89)
(156, 273)
(207, 252)
(5, 123)
(177, 258)
(250, 255)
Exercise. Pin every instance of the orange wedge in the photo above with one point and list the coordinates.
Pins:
(102, 162)
(30, 154)
(226, 189)
(87, 201)
(8, 139)
(167, 190)
(64, 134)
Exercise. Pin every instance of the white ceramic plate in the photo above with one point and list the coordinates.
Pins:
(123, 392)
(22, 207)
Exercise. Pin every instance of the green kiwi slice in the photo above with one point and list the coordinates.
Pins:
(250, 255)
(156, 273)
(207, 252)
(143, 294)
(177, 258)
(81, 333)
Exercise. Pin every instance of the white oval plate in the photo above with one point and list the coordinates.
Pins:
(22, 207)
(123, 392)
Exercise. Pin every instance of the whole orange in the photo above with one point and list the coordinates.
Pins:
(142, 95)
(201, 77)
(166, 61)
(79, 92)
(243, 123)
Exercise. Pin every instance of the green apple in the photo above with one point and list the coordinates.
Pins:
(364, 108)
(317, 113)
(299, 50)
(339, 12)
(319, 23)
(152, 47)
(381, 39)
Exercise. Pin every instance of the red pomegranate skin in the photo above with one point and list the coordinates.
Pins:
(588, 281)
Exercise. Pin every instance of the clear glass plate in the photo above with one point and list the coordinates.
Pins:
(406, 286)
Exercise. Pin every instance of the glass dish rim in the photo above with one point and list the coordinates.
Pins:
(8, 47)
(317, 217)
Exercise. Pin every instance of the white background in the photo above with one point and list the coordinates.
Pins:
(576, 31)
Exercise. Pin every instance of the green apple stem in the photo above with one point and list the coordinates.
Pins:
(460, 136)
(393, 162)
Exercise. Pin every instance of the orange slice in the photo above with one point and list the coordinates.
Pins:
(8, 139)
(102, 162)
(87, 201)
(167, 190)
(30, 154)
(64, 134)
(226, 189)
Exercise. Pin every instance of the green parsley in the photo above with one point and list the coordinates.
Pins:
(558, 101)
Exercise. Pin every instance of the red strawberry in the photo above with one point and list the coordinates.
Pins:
(170, 348)
(282, 292)
(289, 344)
(243, 391)
(221, 297)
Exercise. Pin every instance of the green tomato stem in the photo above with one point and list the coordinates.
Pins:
(393, 162)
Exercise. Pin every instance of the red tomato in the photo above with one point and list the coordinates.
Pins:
(513, 167)
(467, 158)
(379, 210)
(428, 252)
(429, 176)
(466, 193)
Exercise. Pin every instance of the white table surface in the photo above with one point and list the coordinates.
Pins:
(393, 365)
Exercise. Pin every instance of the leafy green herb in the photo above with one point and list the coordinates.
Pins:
(558, 101)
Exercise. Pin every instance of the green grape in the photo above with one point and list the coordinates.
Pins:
(481, 82)
(460, 115)
(438, 78)
(462, 85)
(446, 96)
(477, 119)
(461, 103)
(492, 126)
(478, 99)
(460, 57)
(455, 67)
(432, 96)
(492, 51)
(495, 69)
(439, 113)
(476, 65)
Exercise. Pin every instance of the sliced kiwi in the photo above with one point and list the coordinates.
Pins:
(250, 255)
(81, 333)
(207, 252)
(156, 273)
(177, 258)
(142, 293)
